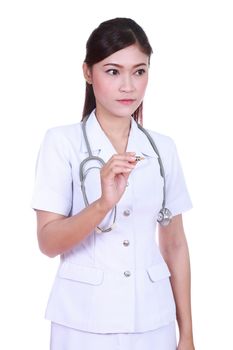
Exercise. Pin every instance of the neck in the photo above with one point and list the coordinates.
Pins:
(114, 127)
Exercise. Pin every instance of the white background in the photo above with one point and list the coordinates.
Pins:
(189, 98)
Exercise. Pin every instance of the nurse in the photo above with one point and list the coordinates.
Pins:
(116, 287)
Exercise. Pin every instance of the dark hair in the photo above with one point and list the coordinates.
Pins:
(111, 36)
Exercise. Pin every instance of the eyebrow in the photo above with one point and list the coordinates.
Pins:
(120, 66)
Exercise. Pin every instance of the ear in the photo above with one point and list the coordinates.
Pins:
(87, 73)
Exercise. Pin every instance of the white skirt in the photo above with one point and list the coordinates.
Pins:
(64, 338)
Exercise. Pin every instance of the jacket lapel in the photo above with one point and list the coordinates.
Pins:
(101, 146)
(99, 143)
(139, 143)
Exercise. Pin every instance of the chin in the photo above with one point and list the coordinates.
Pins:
(125, 112)
(123, 115)
(119, 112)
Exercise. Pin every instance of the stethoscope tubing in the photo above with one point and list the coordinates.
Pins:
(164, 216)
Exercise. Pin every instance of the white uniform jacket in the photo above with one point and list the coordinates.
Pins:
(118, 281)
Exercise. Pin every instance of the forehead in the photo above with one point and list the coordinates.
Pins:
(130, 55)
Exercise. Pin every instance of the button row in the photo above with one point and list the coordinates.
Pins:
(126, 243)
(126, 212)
(127, 273)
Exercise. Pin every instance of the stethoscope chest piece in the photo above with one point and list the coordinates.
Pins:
(164, 217)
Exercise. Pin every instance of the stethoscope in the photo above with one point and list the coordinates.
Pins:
(164, 216)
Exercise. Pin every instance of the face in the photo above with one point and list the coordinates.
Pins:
(119, 81)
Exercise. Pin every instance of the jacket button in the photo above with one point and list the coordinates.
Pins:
(127, 273)
(126, 242)
(126, 212)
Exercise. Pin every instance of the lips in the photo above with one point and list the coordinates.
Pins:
(126, 101)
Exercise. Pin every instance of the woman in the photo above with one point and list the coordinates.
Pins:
(100, 186)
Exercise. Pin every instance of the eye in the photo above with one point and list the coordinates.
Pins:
(112, 71)
(140, 71)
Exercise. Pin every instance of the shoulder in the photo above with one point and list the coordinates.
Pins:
(62, 139)
(69, 132)
(167, 150)
(165, 144)
(64, 135)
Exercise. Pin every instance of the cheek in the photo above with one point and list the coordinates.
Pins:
(142, 87)
(100, 87)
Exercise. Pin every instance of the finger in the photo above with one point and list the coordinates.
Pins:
(116, 169)
(123, 162)
(128, 156)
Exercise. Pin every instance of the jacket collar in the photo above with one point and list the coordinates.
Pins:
(102, 146)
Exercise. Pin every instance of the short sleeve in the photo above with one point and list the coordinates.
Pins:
(177, 196)
(53, 182)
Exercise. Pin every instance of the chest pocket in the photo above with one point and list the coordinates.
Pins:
(158, 272)
(82, 274)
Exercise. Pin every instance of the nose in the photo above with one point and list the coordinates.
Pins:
(126, 84)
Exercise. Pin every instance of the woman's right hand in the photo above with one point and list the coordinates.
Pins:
(114, 176)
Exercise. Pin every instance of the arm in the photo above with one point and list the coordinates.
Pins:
(57, 233)
(174, 248)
